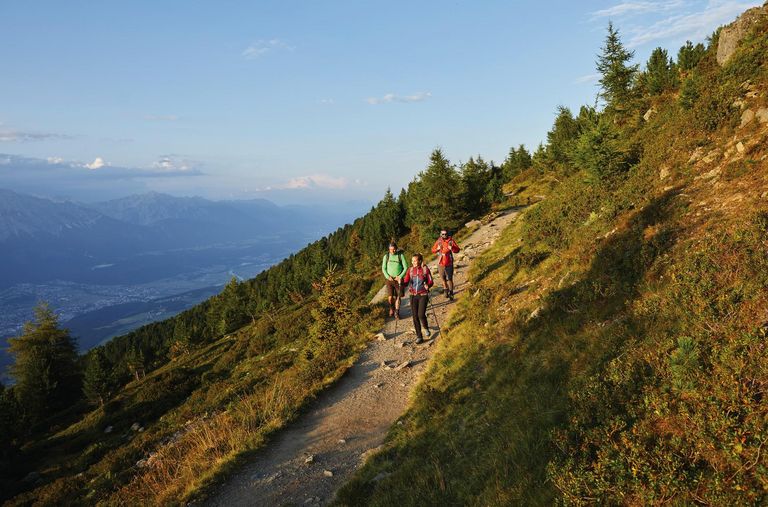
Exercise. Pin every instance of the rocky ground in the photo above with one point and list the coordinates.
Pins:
(305, 463)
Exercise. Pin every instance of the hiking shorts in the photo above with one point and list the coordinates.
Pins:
(446, 272)
(395, 289)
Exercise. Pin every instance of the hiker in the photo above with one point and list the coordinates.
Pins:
(419, 281)
(394, 266)
(445, 247)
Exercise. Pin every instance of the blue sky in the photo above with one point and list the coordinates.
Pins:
(297, 101)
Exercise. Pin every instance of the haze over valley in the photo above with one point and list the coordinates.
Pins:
(111, 266)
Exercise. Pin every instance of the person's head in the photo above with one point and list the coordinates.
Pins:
(443, 233)
(392, 247)
(416, 260)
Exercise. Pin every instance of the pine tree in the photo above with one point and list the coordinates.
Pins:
(617, 74)
(661, 73)
(475, 178)
(689, 56)
(329, 331)
(434, 198)
(561, 138)
(97, 379)
(136, 362)
(45, 366)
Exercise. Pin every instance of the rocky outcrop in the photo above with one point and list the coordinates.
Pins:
(731, 35)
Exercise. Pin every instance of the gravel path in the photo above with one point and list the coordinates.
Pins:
(305, 463)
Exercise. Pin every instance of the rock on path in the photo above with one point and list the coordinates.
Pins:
(306, 462)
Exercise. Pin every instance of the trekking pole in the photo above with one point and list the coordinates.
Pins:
(434, 314)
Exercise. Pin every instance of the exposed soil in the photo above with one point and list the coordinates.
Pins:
(305, 463)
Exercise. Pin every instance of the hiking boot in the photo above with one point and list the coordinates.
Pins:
(428, 333)
(419, 340)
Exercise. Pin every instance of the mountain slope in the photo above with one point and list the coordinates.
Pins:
(613, 351)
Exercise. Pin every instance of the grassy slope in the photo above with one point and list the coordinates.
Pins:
(200, 414)
(613, 346)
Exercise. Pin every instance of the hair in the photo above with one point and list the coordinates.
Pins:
(393, 244)
(420, 257)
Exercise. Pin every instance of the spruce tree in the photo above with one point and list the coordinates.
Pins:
(329, 331)
(45, 366)
(689, 56)
(561, 138)
(97, 378)
(434, 202)
(475, 177)
(661, 73)
(616, 73)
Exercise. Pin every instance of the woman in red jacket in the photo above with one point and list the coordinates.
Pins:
(419, 280)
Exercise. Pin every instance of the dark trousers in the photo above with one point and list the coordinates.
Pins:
(419, 312)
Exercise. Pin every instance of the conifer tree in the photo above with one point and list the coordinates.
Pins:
(616, 73)
(434, 200)
(689, 56)
(475, 177)
(97, 378)
(561, 138)
(45, 366)
(136, 362)
(329, 331)
(661, 73)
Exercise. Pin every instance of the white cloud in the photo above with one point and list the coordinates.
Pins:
(391, 97)
(16, 136)
(55, 160)
(314, 181)
(161, 117)
(96, 164)
(173, 163)
(633, 8)
(689, 26)
(327, 101)
(672, 21)
(589, 78)
(262, 47)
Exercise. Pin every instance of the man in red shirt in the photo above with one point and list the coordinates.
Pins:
(445, 247)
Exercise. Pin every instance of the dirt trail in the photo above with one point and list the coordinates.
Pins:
(305, 463)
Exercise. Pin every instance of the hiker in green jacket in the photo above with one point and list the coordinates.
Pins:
(393, 265)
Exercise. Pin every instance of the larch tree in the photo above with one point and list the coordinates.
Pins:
(45, 366)
(617, 75)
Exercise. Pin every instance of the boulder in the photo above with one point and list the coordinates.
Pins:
(733, 34)
(663, 173)
(135, 426)
(762, 115)
(648, 114)
(327, 473)
(746, 117)
(472, 223)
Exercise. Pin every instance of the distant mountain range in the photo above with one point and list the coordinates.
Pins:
(42, 239)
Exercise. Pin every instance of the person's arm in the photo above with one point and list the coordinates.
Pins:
(430, 282)
(384, 267)
(403, 266)
(435, 246)
(454, 246)
(407, 277)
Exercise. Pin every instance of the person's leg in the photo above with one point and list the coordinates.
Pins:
(443, 277)
(391, 298)
(415, 316)
(423, 313)
(449, 279)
